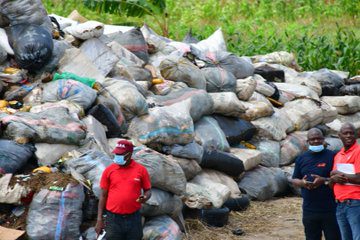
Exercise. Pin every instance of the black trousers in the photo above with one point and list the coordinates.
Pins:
(316, 224)
(123, 227)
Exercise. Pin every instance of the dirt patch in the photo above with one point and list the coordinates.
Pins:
(43, 180)
(270, 220)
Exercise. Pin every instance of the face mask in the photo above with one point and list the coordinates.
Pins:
(318, 148)
(119, 159)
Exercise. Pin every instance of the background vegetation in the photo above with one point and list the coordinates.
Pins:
(322, 33)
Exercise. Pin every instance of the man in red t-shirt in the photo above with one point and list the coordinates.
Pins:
(346, 179)
(122, 183)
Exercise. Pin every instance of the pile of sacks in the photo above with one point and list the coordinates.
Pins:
(210, 126)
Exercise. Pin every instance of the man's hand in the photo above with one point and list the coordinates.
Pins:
(335, 172)
(306, 184)
(141, 199)
(99, 227)
(318, 181)
(339, 178)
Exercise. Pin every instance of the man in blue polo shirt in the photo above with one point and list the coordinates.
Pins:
(311, 173)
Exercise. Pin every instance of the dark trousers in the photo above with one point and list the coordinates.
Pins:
(123, 227)
(317, 223)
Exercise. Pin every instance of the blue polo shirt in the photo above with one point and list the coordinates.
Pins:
(320, 199)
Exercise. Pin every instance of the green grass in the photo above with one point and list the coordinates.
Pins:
(321, 33)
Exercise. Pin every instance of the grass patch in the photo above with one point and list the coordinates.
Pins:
(321, 33)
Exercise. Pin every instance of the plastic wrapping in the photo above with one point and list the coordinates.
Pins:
(190, 151)
(293, 145)
(58, 52)
(14, 156)
(353, 89)
(179, 69)
(245, 88)
(219, 80)
(164, 173)
(227, 104)
(344, 104)
(264, 183)
(134, 41)
(215, 42)
(251, 158)
(86, 30)
(200, 102)
(165, 125)
(235, 129)
(125, 55)
(131, 101)
(25, 12)
(100, 54)
(281, 57)
(162, 227)
(107, 118)
(191, 168)
(209, 135)
(91, 165)
(330, 82)
(56, 215)
(70, 90)
(48, 154)
(75, 61)
(270, 152)
(218, 177)
(51, 126)
(32, 44)
(297, 90)
(160, 203)
(206, 194)
(223, 162)
(274, 127)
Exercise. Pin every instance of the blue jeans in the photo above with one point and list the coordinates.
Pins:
(317, 223)
(123, 227)
(348, 217)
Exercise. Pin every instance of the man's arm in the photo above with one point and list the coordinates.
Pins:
(342, 178)
(301, 183)
(146, 196)
(102, 203)
(353, 178)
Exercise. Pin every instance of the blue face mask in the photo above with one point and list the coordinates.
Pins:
(119, 159)
(318, 148)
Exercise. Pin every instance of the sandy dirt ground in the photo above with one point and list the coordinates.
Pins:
(277, 219)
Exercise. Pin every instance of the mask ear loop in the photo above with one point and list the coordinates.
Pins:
(127, 154)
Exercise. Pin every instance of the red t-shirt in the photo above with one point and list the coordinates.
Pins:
(351, 156)
(124, 186)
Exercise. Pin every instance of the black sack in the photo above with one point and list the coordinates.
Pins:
(107, 118)
(353, 89)
(270, 74)
(32, 45)
(223, 162)
(235, 129)
(14, 156)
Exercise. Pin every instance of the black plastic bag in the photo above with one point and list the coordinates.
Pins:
(14, 156)
(223, 162)
(107, 118)
(235, 129)
(32, 44)
(353, 89)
